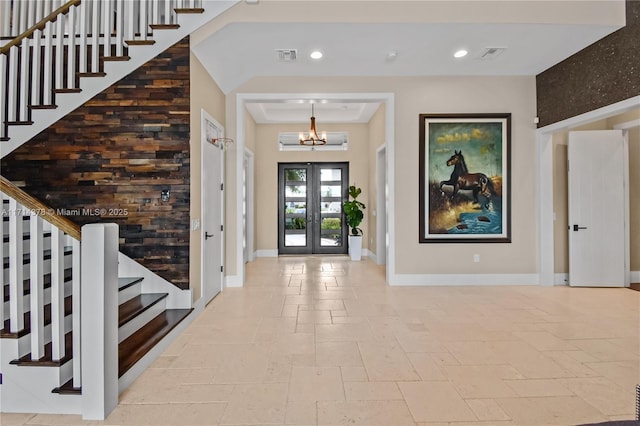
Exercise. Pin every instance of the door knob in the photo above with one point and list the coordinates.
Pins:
(207, 235)
(577, 228)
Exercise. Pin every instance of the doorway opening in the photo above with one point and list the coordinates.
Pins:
(310, 197)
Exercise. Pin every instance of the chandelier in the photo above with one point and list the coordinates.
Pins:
(312, 138)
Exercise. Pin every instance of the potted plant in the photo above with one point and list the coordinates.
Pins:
(354, 215)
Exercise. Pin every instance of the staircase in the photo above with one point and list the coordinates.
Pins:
(80, 321)
(40, 357)
(55, 55)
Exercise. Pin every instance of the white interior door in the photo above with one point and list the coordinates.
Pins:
(596, 208)
(212, 208)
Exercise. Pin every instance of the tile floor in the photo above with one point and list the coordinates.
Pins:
(323, 341)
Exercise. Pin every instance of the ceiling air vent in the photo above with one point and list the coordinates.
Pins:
(287, 55)
(490, 53)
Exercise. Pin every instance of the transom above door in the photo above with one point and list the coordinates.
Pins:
(310, 218)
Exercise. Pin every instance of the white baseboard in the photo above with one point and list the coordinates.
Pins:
(635, 276)
(462, 279)
(232, 281)
(267, 253)
(561, 279)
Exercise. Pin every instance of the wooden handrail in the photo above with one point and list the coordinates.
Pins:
(40, 208)
(40, 25)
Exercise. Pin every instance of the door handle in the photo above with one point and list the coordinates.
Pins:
(207, 235)
(577, 228)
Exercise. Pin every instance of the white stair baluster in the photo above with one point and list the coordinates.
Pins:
(36, 286)
(144, 24)
(16, 266)
(3, 95)
(25, 53)
(57, 293)
(13, 84)
(75, 308)
(107, 11)
(119, 28)
(95, 36)
(47, 90)
(15, 11)
(59, 33)
(71, 48)
(155, 11)
(36, 62)
(2, 253)
(168, 12)
(82, 42)
(5, 23)
(130, 21)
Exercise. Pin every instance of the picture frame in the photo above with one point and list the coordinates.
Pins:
(465, 178)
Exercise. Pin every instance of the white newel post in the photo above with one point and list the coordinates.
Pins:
(99, 315)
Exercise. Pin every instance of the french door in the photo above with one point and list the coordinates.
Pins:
(310, 197)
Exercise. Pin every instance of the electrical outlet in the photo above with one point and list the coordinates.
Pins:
(476, 258)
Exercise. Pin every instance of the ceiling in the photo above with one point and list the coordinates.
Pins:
(239, 51)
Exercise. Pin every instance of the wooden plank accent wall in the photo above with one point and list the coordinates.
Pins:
(602, 74)
(109, 160)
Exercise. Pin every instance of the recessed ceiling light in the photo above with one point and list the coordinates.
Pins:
(316, 54)
(460, 53)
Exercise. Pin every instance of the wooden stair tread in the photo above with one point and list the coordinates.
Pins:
(71, 90)
(137, 305)
(91, 74)
(43, 106)
(116, 58)
(140, 42)
(189, 10)
(47, 360)
(67, 389)
(164, 26)
(126, 282)
(134, 347)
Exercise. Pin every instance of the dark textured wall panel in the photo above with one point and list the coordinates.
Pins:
(602, 74)
(118, 152)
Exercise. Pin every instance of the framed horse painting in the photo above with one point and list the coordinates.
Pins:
(465, 178)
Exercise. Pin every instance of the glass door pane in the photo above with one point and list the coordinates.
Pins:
(331, 207)
(310, 197)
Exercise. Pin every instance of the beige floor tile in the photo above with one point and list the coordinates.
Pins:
(603, 394)
(371, 391)
(168, 414)
(323, 340)
(385, 362)
(544, 341)
(316, 384)
(556, 411)
(15, 419)
(435, 402)
(332, 354)
(487, 410)
(625, 374)
(354, 374)
(257, 404)
(539, 387)
(60, 420)
(426, 367)
(301, 413)
(343, 332)
(478, 381)
(364, 413)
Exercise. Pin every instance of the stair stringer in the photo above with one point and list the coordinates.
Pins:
(32, 392)
(154, 283)
(115, 71)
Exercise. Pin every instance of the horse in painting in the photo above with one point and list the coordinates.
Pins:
(460, 178)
